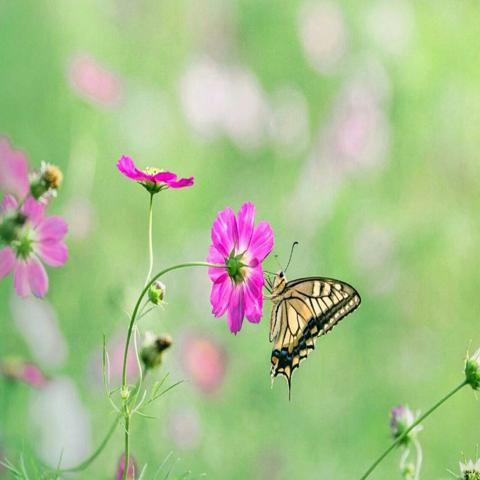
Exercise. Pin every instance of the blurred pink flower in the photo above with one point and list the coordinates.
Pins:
(132, 468)
(27, 372)
(153, 179)
(237, 288)
(13, 170)
(94, 82)
(205, 362)
(38, 238)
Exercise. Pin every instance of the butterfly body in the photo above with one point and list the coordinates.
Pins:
(303, 310)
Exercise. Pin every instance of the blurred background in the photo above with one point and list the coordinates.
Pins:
(353, 127)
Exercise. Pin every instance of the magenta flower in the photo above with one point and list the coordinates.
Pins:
(153, 179)
(36, 237)
(237, 289)
(13, 170)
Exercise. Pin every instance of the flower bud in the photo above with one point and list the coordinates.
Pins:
(472, 370)
(121, 468)
(470, 470)
(401, 419)
(156, 292)
(47, 180)
(153, 348)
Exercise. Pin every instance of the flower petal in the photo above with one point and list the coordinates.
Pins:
(33, 210)
(20, 279)
(262, 241)
(126, 166)
(53, 253)
(52, 229)
(236, 310)
(214, 256)
(8, 203)
(164, 177)
(224, 232)
(7, 261)
(245, 220)
(183, 182)
(220, 295)
(37, 277)
(13, 170)
(253, 303)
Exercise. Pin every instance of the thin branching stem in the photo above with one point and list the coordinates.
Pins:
(408, 430)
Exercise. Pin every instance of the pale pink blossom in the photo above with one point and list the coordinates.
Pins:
(38, 238)
(94, 82)
(13, 170)
(204, 361)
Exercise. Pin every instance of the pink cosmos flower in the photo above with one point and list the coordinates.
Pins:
(204, 361)
(37, 237)
(94, 82)
(237, 289)
(121, 468)
(153, 179)
(13, 170)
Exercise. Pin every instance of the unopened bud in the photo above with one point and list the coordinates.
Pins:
(156, 292)
(46, 181)
(472, 370)
(153, 348)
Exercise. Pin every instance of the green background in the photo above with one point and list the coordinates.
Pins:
(400, 223)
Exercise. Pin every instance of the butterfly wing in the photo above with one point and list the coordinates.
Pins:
(309, 308)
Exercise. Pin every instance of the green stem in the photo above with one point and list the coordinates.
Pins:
(124, 392)
(150, 243)
(127, 446)
(137, 306)
(408, 430)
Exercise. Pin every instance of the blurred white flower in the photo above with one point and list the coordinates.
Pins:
(373, 253)
(228, 100)
(355, 139)
(289, 121)
(184, 429)
(390, 24)
(204, 92)
(359, 133)
(80, 216)
(145, 122)
(38, 323)
(323, 34)
(61, 423)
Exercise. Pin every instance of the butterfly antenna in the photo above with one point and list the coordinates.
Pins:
(294, 244)
(279, 264)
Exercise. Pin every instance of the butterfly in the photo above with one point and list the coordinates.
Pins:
(303, 310)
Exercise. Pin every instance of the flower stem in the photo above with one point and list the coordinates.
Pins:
(124, 390)
(150, 243)
(127, 446)
(86, 463)
(408, 430)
